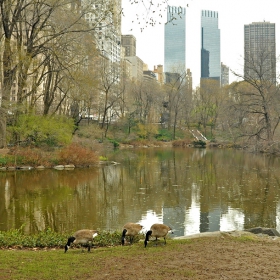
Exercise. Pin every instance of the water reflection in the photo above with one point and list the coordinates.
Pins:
(191, 190)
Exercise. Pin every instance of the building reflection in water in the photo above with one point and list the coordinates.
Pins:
(191, 190)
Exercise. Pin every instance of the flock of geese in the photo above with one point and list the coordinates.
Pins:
(86, 236)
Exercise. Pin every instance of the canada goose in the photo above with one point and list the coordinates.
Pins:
(157, 230)
(83, 236)
(130, 229)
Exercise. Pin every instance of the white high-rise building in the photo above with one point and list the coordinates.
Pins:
(108, 30)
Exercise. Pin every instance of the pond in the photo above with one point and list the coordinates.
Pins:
(191, 190)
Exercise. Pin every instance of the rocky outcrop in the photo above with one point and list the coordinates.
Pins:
(267, 231)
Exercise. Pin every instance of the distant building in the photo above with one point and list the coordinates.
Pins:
(224, 75)
(149, 75)
(129, 44)
(158, 70)
(108, 37)
(189, 81)
(175, 40)
(259, 51)
(172, 78)
(136, 67)
(145, 67)
(210, 46)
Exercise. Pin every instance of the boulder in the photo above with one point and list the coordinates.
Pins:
(260, 230)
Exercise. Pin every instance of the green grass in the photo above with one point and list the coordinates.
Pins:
(41, 256)
(110, 262)
(76, 263)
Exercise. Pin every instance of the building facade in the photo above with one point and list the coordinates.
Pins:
(129, 44)
(175, 40)
(108, 35)
(210, 46)
(224, 75)
(259, 51)
(136, 67)
(158, 70)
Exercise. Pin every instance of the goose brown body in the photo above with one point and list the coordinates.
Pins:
(157, 230)
(131, 230)
(83, 236)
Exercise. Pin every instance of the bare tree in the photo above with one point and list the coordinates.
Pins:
(207, 103)
(176, 91)
(258, 100)
(109, 91)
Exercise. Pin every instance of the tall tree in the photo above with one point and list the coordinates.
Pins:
(258, 99)
(207, 103)
(36, 30)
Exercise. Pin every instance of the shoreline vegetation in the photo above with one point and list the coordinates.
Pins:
(49, 239)
(17, 239)
(78, 155)
(89, 145)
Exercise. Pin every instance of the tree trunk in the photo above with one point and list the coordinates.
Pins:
(8, 74)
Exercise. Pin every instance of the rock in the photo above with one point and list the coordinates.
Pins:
(69, 166)
(260, 230)
(11, 168)
(25, 167)
(59, 167)
(40, 167)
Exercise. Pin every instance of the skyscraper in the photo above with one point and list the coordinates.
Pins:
(175, 40)
(210, 46)
(259, 51)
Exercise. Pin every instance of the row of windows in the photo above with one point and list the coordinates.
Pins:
(206, 13)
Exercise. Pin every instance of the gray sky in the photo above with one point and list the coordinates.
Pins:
(233, 14)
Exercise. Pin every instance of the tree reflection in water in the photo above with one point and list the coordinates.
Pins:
(191, 190)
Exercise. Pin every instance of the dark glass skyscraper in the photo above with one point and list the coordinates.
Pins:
(259, 51)
(210, 46)
(175, 40)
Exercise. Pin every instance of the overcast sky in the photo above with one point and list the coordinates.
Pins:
(233, 14)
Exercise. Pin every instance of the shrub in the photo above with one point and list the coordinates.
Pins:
(49, 238)
(164, 135)
(114, 142)
(3, 160)
(77, 155)
(103, 158)
(29, 156)
(49, 130)
(181, 143)
(199, 143)
(146, 131)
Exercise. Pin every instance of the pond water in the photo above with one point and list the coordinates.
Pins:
(191, 190)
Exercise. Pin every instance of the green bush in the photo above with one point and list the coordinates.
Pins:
(103, 158)
(164, 135)
(114, 142)
(16, 238)
(3, 161)
(51, 239)
(38, 130)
